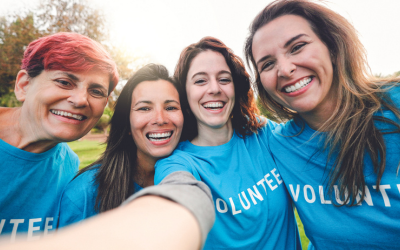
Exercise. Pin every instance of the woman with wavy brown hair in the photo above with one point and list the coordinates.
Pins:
(227, 148)
(342, 133)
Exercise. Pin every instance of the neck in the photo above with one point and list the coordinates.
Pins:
(208, 136)
(144, 176)
(317, 117)
(15, 131)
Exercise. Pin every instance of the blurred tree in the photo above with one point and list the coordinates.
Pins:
(16, 33)
(71, 16)
(102, 123)
(265, 112)
(52, 16)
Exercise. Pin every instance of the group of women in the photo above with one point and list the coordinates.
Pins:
(334, 156)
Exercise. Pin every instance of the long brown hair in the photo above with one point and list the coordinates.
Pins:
(245, 110)
(351, 129)
(114, 177)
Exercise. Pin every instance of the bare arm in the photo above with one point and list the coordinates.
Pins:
(181, 220)
(150, 222)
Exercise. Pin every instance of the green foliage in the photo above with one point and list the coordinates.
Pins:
(16, 32)
(264, 111)
(71, 16)
(52, 16)
(103, 123)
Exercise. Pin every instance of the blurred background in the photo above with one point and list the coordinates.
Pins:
(137, 32)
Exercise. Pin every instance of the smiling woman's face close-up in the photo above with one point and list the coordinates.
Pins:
(156, 118)
(210, 90)
(294, 65)
(63, 106)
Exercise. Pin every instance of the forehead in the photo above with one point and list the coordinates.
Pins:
(278, 31)
(208, 62)
(149, 90)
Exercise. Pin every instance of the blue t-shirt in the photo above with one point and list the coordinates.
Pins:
(79, 198)
(253, 209)
(375, 224)
(31, 186)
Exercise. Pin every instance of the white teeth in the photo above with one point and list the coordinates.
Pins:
(156, 136)
(298, 85)
(213, 105)
(67, 114)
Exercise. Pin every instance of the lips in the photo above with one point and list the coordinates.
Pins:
(68, 115)
(297, 86)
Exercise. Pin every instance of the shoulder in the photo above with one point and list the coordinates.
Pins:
(178, 161)
(67, 154)
(83, 184)
(394, 93)
(178, 157)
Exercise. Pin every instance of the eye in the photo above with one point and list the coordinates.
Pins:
(267, 65)
(225, 80)
(171, 108)
(143, 109)
(63, 83)
(200, 82)
(297, 47)
(97, 93)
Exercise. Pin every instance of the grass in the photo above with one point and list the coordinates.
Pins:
(303, 237)
(89, 151)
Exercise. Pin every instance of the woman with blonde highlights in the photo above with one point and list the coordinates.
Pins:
(343, 125)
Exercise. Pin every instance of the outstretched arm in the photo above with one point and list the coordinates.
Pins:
(150, 222)
(180, 220)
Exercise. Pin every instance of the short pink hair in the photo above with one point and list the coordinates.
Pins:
(68, 52)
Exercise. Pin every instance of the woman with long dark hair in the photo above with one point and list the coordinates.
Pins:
(339, 151)
(227, 148)
(146, 126)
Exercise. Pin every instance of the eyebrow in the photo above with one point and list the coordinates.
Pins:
(204, 73)
(139, 102)
(169, 101)
(150, 102)
(76, 79)
(291, 40)
(71, 76)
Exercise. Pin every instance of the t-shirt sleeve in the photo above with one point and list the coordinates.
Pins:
(69, 212)
(264, 133)
(183, 188)
(176, 162)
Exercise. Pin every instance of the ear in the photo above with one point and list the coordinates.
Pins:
(21, 85)
(333, 58)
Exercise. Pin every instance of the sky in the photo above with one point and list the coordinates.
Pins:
(160, 29)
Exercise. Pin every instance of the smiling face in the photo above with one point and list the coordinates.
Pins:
(61, 106)
(295, 66)
(210, 90)
(156, 119)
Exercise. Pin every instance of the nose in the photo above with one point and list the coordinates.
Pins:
(286, 68)
(213, 87)
(160, 118)
(79, 98)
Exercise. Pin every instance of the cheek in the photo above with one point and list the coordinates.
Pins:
(98, 107)
(268, 83)
(177, 120)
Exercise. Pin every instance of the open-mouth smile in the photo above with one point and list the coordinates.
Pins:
(214, 105)
(68, 115)
(159, 137)
(298, 85)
